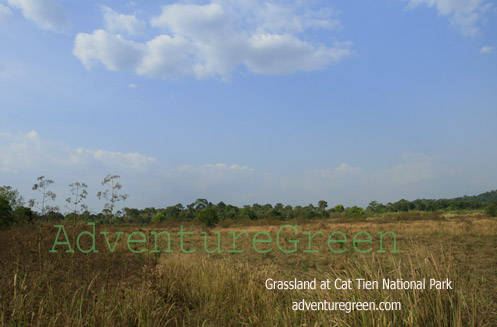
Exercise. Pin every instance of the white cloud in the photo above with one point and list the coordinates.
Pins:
(114, 159)
(47, 14)
(464, 14)
(166, 56)
(288, 18)
(284, 54)
(487, 49)
(113, 51)
(214, 39)
(5, 13)
(120, 23)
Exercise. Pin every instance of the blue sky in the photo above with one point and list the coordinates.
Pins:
(250, 101)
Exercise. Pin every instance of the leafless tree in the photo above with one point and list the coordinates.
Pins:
(79, 192)
(111, 194)
(46, 196)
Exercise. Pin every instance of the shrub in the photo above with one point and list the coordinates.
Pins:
(208, 216)
(158, 217)
(355, 211)
(23, 215)
(6, 218)
(492, 209)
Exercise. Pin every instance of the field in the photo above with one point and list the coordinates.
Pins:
(123, 288)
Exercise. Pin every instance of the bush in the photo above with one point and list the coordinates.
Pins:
(208, 216)
(23, 215)
(355, 211)
(492, 209)
(158, 217)
(6, 218)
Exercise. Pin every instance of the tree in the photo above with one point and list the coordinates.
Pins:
(373, 207)
(78, 190)
(23, 215)
(322, 205)
(248, 213)
(492, 209)
(158, 217)
(339, 208)
(6, 218)
(111, 194)
(201, 204)
(46, 195)
(208, 216)
(355, 211)
(13, 196)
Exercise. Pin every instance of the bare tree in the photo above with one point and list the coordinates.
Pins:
(78, 190)
(46, 195)
(111, 194)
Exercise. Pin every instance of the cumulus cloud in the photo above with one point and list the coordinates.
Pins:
(112, 51)
(214, 39)
(487, 49)
(280, 54)
(120, 23)
(47, 14)
(5, 13)
(465, 14)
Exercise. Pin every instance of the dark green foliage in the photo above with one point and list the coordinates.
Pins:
(12, 195)
(54, 216)
(13, 211)
(491, 210)
(23, 215)
(248, 213)
(355, 211)
(158, 217)
(208, 216)
(487, 197)
(6, 218)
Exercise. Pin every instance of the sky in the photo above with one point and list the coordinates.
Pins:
(250, 101)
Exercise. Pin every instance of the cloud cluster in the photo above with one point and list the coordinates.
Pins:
(47, 14)
(119, 23)
(213, 40)
(464, 14)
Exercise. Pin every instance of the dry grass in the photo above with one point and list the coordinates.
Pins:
(224, 289)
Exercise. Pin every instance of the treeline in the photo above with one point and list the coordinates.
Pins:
(211, 214)
(487, 197)
(14, 211)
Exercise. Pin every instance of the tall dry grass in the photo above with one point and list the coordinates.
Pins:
(125, 289)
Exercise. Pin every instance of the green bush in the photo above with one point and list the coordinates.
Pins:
(158, 217)
(23, 215)
(6, 218)
(208, 216)
(355, 211)
(492, 209)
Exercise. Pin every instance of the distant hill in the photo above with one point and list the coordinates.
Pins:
(487, 197)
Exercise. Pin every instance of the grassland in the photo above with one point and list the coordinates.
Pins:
(227, 289)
